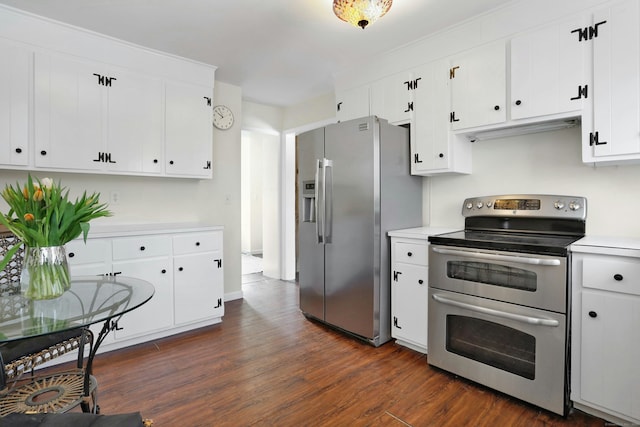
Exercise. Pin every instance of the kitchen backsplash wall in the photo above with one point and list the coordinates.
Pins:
(548, 163)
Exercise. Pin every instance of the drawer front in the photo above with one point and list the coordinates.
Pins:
(209, 241)
(92, 252)
(611, 273)
(411, 253)
(141, 247)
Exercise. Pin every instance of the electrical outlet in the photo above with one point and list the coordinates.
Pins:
(115, 197)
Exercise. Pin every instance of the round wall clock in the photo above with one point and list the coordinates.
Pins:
(222, 117)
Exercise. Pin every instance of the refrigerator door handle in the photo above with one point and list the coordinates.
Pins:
(327, 220)
(319, 216)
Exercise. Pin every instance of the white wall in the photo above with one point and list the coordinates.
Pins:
(547, 163)
(252, 181)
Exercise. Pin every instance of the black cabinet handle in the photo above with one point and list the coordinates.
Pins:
(420, 282)
(497, 107)
(163, 271)
(593, 314)
(71, 254)
(441, 155)
(618, 277)
(197, 243)
(409, 253)
(43, 153)
(518, 102)
(142, 248)
(180, 268)
(155, 160)
(170, 162)
(18, 150)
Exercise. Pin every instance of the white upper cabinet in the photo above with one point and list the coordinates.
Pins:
(611, 132)
(91, 116)
(15, 81)
(69, 105)
(392, 97)
(135, 120)
(189, 133)
(434, 149)
(352, 103)
(478, 87)
(548, 71)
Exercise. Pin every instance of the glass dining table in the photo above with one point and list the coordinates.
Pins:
(90, 300)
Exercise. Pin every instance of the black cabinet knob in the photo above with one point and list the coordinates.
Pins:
(18, 150)
(170, 162)
(43, 153)
(180, 268)
(71, 254)
(441, 155)
(163, 271)
(409, 253)
(618, 277)
(197, 243)
(518, 102)
(420, 282)
(142, 248)
(593, 314)
(155, 160)
(497, 107)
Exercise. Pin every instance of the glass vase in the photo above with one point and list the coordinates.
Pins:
(45, 272)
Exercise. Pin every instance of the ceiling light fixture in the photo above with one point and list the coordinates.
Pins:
(361, 12)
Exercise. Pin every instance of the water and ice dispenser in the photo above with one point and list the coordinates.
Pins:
(308, 201)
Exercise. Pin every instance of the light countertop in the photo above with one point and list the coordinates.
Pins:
(420, 232)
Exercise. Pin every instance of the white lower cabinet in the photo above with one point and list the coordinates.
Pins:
(145, 319)
(185, 268)
(409, 287)
(198, 277)
(605, 379)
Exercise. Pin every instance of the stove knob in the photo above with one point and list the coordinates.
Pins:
(574, 206)
(559, 205)
(479, 205)
(469, 205)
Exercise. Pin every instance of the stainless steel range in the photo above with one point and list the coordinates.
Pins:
(499, 295)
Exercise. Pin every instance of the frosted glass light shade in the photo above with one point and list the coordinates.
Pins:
(361, 12)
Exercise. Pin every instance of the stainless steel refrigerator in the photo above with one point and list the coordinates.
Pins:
(354, 186)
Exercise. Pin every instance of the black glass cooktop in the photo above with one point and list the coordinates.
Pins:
(507, 241)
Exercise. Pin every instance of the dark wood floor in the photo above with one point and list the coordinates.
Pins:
(266, 365)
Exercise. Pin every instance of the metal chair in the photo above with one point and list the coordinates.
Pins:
(21, 390)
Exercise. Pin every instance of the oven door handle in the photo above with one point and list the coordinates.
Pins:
(497, 313)
(497, 257)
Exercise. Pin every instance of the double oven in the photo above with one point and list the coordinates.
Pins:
(499, 295)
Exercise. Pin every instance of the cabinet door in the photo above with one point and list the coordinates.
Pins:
(547, 71)
(610, 351)
(198, 287)
(392, 97)
(434, 149)
(156, 314)
(188, 127)
(614, 133)
(352, 103)
(15, 77)
(135, 121)
(69, 111)
(478, 87)
(409, 299)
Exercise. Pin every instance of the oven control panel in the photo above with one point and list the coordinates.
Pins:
(527, 205)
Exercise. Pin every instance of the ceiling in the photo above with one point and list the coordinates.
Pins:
(281, 52)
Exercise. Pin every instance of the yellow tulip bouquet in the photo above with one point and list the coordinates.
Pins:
(42, 216)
